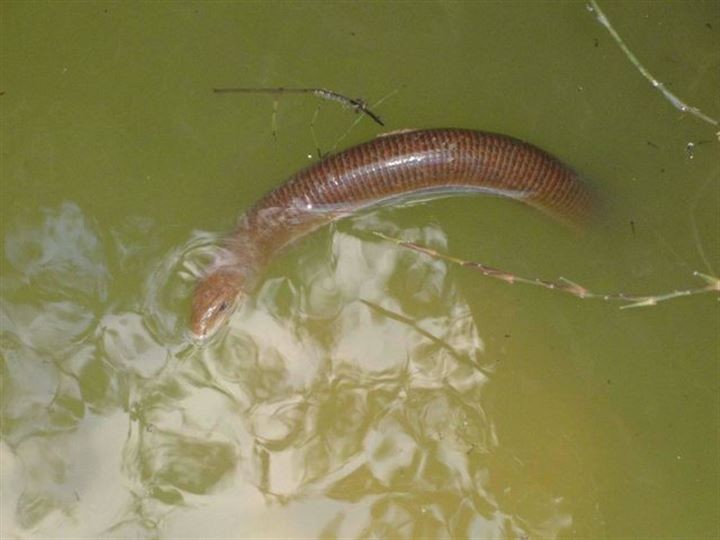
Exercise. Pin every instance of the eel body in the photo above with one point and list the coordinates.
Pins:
(387, 169)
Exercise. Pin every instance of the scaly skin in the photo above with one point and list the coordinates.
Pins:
(386, 169)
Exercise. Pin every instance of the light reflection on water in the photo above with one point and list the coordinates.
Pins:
(347, 399)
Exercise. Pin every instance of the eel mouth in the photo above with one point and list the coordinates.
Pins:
(215, 299)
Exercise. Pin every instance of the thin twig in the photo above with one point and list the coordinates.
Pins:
(429, 335)
(273, 121)
(672, 98)
(312, 131)
(563, 284)
(696, 232)
(357, 104)
(357, 120)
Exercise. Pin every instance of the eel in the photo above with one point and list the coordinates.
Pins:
(386, 170)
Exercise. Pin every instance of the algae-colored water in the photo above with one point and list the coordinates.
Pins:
(366, 391)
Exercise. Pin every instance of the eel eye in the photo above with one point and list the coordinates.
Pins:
(223, 306)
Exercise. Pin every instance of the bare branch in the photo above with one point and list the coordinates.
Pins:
(563, 285)
(357, 120)
(672, 98)
(357, 104)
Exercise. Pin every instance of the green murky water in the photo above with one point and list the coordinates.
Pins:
(368, 391)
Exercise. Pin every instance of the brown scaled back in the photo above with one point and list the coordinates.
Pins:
(385, 170)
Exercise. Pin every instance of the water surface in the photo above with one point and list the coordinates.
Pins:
(366, 391)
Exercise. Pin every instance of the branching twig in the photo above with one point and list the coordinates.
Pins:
(672, 98)
(355, 122)
(356, 104)
(563, 285)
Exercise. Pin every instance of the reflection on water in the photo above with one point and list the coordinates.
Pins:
(349, 399)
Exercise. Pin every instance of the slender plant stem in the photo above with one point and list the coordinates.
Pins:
(672, 98)
(357, 120)
(356, 104)
(564, 285)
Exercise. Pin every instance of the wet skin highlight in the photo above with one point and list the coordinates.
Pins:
(386, 170)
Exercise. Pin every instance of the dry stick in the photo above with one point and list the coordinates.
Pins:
(355, 122)
(563, 284)
(429, 335)
(672, 98)
(352, 126)
(356, 104)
